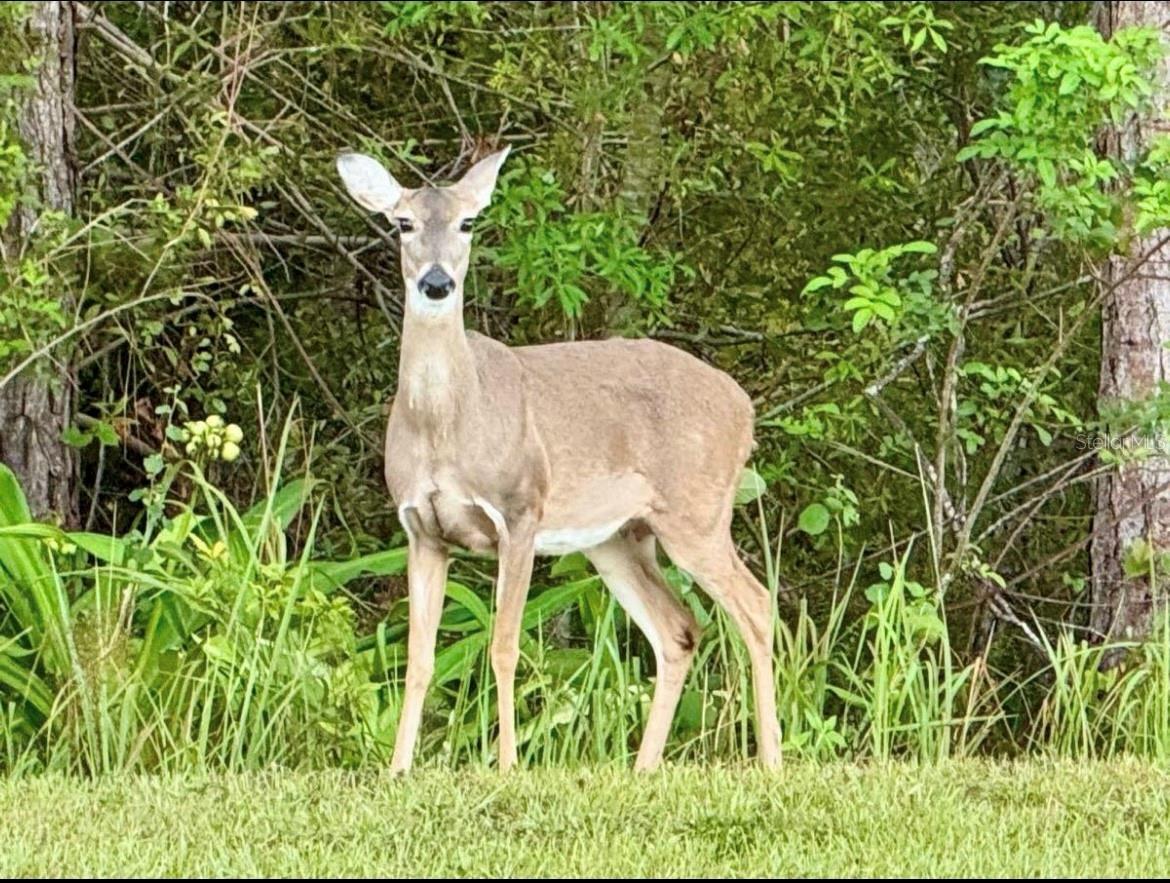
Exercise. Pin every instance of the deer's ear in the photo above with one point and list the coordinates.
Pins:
(479, 182)
(368, 182)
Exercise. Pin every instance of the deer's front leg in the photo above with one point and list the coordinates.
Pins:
(426, 566)
(515, 572)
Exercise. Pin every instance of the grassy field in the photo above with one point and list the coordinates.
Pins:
(971, 818)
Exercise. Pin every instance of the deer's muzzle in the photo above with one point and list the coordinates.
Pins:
(436, 284)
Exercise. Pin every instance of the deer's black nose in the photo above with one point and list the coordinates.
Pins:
(436, 284)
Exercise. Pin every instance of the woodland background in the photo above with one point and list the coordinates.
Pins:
(923, 236)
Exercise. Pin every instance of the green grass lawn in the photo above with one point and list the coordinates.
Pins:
(969, 818)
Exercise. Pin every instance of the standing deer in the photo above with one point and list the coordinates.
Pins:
(604, 447)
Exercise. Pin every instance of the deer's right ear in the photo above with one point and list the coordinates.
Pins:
(368, 182)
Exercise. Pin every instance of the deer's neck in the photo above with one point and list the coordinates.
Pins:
(437, 380)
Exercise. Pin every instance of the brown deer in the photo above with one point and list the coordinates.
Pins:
(607, 447)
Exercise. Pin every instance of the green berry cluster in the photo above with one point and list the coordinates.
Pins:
(221, 441)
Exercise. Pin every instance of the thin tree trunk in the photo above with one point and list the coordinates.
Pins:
(1133, 503)
(35, 407)
(642, 175)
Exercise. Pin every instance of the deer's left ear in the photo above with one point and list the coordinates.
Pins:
(479, 182)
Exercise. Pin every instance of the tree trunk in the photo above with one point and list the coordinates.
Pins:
(1133, 502)
(35, 407)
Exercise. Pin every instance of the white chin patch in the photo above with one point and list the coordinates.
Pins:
(421, 305)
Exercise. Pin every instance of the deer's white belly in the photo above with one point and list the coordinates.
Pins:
(584, 512)
(573, 539)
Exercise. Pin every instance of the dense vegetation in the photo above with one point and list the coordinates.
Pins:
(883, 219)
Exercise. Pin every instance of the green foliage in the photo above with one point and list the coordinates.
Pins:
(202, 641)
(911, 689)
(751, 487)
(919, 23)
(557, 254)
(1099, 710)
(679, 170)
(814, 518)
(1065, 85)
(839, 504)
(422, 15)
(1000, 389)
(714, 159)
(1151, 187)
(13, 165)
(877, 293)
(196, 639)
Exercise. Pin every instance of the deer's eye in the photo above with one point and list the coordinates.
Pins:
(466, 225)
(404, 225)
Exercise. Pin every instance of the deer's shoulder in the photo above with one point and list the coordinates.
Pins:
(493, 360)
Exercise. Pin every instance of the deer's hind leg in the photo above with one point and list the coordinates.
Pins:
(627, 564)
(714, 563)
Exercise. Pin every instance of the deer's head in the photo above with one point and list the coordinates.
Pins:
(434, 226)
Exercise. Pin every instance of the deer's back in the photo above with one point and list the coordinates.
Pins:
(614, 406)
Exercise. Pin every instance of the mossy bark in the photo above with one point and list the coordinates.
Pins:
(1133, 502)
(35, 406)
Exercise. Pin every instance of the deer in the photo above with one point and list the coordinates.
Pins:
(608, 447)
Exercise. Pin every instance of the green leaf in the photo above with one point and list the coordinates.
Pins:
(460, 658)
(29, 586)
(969, 152)
(751, 486)
(814, 519)
(103, 547)
(983, 125)
(334, 574)
(75, 438)
(920, 247)
(574, 562)
(678, 579)
(219, 648)
(553, 601)
(285, 504)
(856, 303)
(816, 283)
(1047, 171)
(469, 601)
(106, 434)
(20, 677)
(861, 319)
